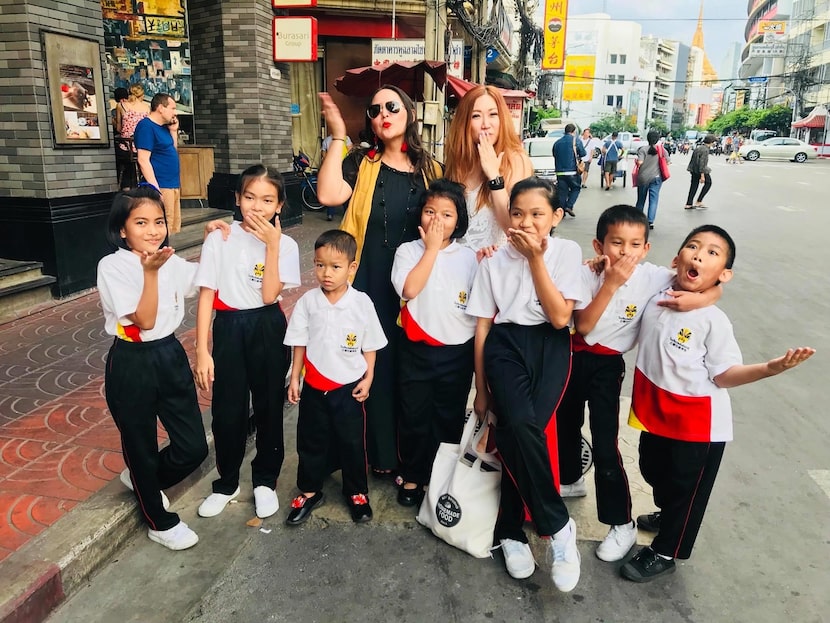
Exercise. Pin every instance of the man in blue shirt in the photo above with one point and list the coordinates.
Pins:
(155, 140)
(613, 150)
(566, 151)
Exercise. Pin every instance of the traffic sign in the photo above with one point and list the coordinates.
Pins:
(757, 79)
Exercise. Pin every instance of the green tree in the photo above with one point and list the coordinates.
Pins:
(659, 125)
(611, 123)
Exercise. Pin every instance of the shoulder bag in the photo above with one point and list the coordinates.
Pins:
(664, 165)
(462, 501)
(580, 166)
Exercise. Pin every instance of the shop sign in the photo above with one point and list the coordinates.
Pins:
(292, 4)
(767, 49)
(295, 39)
(414, 50)
(556, 12)
(164, 26)
(580, 70)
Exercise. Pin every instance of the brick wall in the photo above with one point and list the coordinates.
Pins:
(29, 164)
(238, 107)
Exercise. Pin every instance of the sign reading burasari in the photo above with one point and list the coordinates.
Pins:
(295, 39)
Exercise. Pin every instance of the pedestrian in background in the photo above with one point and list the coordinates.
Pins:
(567, 153)
(649, 180)
(700, 173)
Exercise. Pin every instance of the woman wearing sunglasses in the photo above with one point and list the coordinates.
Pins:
(484, 153)
(382, 185)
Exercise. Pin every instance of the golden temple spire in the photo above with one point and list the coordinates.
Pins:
(709, 73)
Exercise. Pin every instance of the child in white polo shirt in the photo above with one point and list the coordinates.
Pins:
(685, 363)
(142, 287)
(433, 276)
(523, 297)
(241, 279)
(335, 333)
(607, 327)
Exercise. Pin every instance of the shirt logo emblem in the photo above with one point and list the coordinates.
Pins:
(259, 270)
(351, 340)
(683, 335)
(630, 311)
(462, 297)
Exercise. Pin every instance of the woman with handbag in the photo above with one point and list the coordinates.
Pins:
(651, 172)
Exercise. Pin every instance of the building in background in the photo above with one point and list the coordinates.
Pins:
(763, 57)
(701, 98)
(659, 58)
(807, 64)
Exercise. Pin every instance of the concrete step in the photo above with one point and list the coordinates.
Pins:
(188, 242)
(22, 286)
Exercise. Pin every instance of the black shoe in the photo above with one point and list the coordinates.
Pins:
(410, 497)
(359, 508)
(646, 566)
(649, 522)
(570, 212)
(329, 217)
(301, 508)
(651, 225)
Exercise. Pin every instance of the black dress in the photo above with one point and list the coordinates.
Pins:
(393, 220)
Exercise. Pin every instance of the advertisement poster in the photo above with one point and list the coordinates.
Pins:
(579, 78)
(80, 103)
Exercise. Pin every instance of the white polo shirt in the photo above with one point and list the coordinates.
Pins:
(617, 329)
(437, 315)
(503, 286)
(234, 268)
(335, 336)
(679, 355)
(120, 283)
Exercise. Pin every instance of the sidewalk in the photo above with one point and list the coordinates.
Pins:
(58, 444)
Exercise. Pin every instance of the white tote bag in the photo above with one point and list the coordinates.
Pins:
(462, 501)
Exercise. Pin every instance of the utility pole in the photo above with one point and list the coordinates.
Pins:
(435, 49)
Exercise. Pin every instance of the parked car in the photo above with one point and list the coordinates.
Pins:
(540, 151)
(779, 147)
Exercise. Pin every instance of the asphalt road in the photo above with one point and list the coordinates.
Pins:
(763, 554)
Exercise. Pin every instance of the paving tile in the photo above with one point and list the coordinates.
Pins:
(49, 382)
(17, 526)
(10, 372)
(16, 453)
(67, 473)
(104, 436)
(13, 407)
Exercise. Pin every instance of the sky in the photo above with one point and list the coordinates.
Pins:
(723, 20)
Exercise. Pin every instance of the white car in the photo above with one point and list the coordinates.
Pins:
(540, 151)
(779, 147)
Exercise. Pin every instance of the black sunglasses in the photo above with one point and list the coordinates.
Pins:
(374, 109)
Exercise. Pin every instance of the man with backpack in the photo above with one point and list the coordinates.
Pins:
(612, 151)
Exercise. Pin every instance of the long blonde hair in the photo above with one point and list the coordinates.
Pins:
(136, 93)
(461, 152)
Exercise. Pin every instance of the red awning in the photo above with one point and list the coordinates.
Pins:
(816, 119)
(811, 122)
(459, 88)
(408, 76)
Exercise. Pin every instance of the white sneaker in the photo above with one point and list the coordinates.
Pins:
(566, 559)
(266, 501)
(577, 489)
(127, 482)
(215, 503)
(518, 558)
(617, 543)
(176, 538)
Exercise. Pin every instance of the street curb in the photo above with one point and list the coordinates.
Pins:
(54, 565)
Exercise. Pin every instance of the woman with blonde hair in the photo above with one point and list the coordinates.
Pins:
(127, 115)
(484, 153)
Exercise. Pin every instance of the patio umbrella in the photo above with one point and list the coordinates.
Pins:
(406, 75)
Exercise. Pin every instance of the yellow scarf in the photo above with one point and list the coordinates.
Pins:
(356, 219)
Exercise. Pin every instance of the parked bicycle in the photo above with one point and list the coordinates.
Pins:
(308, 192)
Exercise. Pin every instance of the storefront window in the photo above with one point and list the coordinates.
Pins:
(147, 42)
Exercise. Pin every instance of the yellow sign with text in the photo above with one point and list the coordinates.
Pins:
(579, 78)
(778, 27)
(556, 13)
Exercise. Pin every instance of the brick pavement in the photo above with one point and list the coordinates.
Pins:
(58, 443)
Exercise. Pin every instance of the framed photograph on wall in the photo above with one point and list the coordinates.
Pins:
(77, 102)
